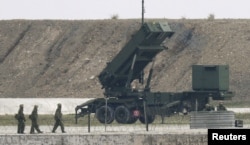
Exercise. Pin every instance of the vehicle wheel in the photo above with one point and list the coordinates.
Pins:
(150, 118)
(122, 114)
(101, 113)
(132, 120)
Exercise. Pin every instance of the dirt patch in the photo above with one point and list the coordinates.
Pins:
(52, 58)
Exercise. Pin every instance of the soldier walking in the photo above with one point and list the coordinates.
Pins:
(34, 117)
(21, 120)
(58, 119)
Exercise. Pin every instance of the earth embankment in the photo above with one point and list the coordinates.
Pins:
(53, 58)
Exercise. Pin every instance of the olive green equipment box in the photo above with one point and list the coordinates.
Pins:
(210, 77)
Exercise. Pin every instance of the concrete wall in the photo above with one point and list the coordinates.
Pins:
(104, 139)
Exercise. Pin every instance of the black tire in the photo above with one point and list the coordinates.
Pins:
(122, 114)
(132, 120)
(150, 118)
(101, 113)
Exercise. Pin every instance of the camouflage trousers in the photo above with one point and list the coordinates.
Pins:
(20, 127)
(58, 123)
(35, 126)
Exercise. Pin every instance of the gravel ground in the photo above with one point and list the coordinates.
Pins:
(114, 129)
(138, 129)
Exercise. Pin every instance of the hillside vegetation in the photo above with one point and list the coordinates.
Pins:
(52, 58)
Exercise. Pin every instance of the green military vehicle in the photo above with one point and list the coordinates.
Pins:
(126, 104)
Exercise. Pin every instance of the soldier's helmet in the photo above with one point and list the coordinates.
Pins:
(35, 106)
(21, 105)
(59, 105)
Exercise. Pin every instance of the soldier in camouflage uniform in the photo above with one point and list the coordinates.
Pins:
(21, 120)
(33, 117)
(58, 119)
(221, 107)
(208, 107)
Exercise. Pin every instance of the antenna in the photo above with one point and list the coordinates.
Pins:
(143, 11)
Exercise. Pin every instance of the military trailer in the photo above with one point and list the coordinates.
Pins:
(126, 104)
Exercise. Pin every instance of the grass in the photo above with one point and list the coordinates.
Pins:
(232, 104)
(69, 120)
(243, 116)
(237, 104)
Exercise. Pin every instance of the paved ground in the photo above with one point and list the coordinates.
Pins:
(111, 129)
(127, 129)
